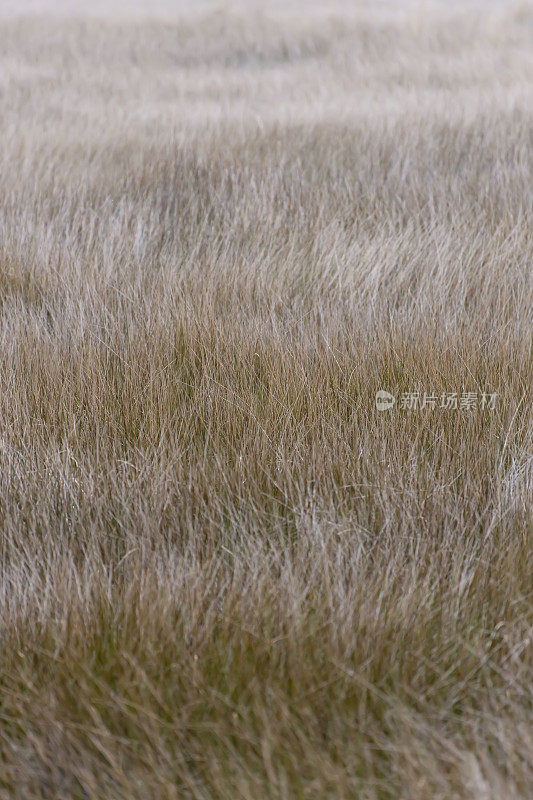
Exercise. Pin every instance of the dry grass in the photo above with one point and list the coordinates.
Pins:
(224, 573)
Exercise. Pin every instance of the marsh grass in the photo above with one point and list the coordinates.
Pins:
(224, 573)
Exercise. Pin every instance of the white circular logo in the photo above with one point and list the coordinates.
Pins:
(384, 400)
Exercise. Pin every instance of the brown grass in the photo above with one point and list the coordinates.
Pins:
(224, 573)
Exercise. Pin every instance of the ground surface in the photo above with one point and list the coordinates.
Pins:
(224, 573)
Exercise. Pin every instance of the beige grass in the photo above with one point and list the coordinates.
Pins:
(224, 573)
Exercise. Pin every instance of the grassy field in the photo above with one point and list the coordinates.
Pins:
(225, 574)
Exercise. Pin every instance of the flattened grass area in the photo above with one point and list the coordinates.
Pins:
(223, 572)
